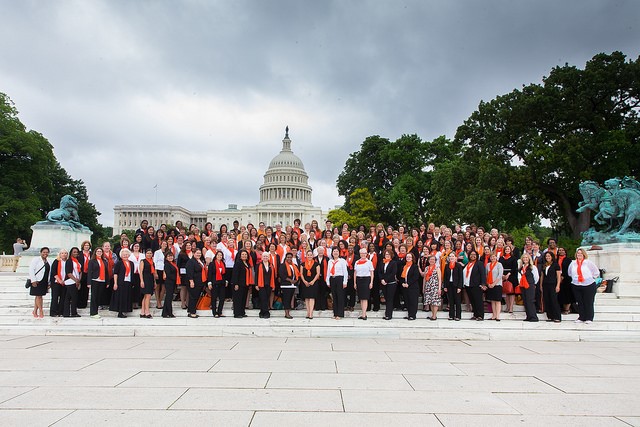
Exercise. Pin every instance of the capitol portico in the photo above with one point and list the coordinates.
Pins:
(284, 196)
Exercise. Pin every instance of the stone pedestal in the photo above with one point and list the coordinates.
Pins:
(55, 237)
(620, 260)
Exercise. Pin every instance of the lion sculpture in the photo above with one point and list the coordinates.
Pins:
(67, 213)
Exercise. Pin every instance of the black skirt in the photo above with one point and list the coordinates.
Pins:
(362, 285)
(493, 294)
(38, 291)
(310, 291)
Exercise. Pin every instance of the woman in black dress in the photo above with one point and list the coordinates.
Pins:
(551, 278)
(39, 272)
(171, 280)
(196, 278)
(183, 258)
(147, 282)
(509, 273)
(309, 276)
(123, 273)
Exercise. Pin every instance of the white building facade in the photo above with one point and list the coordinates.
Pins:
(285, 195)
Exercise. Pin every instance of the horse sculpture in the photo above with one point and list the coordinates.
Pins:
(617, 204)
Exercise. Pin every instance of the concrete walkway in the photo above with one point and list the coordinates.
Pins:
(243, 381)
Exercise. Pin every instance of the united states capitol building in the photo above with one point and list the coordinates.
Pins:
(284, 196)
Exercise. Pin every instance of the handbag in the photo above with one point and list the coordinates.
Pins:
(204, 303)
(507, 287)
(27, 284)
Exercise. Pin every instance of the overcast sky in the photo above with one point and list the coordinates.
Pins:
(194, 96)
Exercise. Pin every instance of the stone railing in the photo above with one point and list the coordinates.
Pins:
(9, 263)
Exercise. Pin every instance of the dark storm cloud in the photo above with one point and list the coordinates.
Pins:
(187, 94)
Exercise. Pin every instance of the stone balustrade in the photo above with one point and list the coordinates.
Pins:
(9, 263)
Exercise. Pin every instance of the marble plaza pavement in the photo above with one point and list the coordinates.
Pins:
(256, 372)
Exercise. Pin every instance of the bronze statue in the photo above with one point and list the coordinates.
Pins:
(66, 214)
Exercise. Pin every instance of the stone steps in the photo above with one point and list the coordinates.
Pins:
(616, 319)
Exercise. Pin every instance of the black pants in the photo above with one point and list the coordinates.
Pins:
(585, 297)
(57, 299)
(321, 300)
(411, 300)
(218, 294)
(475, 298)
(538, 297)
(455, 301)
(71, 301)
(167, 306)
(83, 293)
(194, 296)
(550, 298)
(96, 294)
(389, 295)
(239, 298)
(375, 295)
(529, 300)
(228, 291)
(264, 293)
(338, 295)
(349, 294)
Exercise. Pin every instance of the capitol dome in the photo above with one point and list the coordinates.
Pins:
(286, 181)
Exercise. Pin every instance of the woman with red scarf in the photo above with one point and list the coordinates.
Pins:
(171, 280)
(565, 297)
(528, 276)
(337, 276)
(583, 273)
(97, 275)
(196, 277)
(474, 281)
(217, 283)
(72, 285)
(509, 273)
(310, 275)
(147, 282)
(122, 279)
(494, 286)
(182, 259)
(551, 277)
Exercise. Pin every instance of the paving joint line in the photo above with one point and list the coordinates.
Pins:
(212, 366)
(127, 379)
(73, 411)
(18, 395)
(179, 397)
(342, 401)
(252, 417)
(439, 420)
(268, 379)
(550, 385)
(408, 382)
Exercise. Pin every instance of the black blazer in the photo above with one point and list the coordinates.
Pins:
(413, 276)
(239, 276)
(120, 270)
(170, 273)
(67, 269)
(194, 272)
(389, 276)
(94, 270)
(477, 275)
(457, 276)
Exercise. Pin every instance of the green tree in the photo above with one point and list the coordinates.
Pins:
(32, 181)
(396, 174)
(523, 154)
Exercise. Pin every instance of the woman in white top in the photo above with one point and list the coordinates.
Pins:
(363, 281)
(337, 277)
(583, 274)
(158, 262)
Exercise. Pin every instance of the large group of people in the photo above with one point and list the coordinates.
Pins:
(319, 269)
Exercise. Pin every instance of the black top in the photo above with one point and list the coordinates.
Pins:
(477, 275)
(194, 271)
(457, 276)
(550, 277)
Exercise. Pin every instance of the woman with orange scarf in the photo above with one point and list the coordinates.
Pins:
(217, 283)
(289, 276)
(147, 282)
(265, 283)
(310, 275)
(196, 277)
(410, 282)
(583, 273)
(172, 279)
(243, 276)
(528, 276)
(494, 286)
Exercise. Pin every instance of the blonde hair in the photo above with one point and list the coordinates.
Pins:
(584, 253)
(521, 263)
